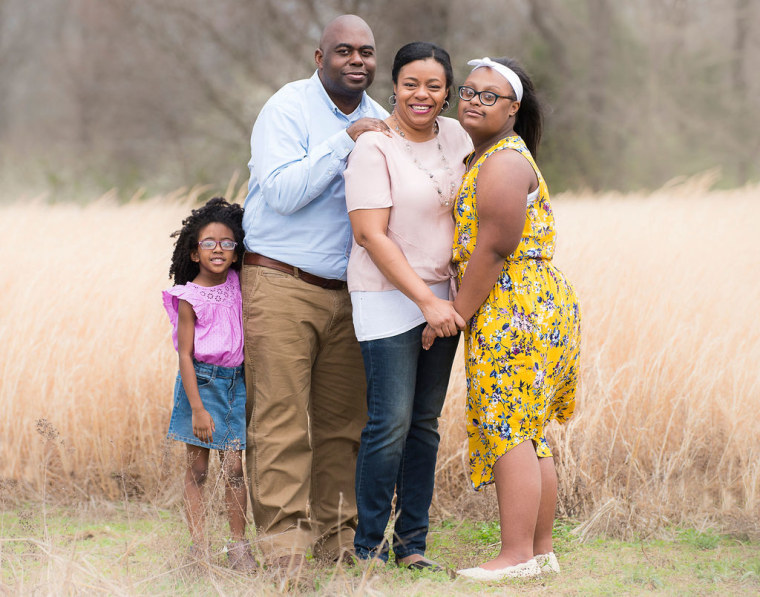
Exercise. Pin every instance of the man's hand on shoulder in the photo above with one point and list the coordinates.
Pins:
(367, 124)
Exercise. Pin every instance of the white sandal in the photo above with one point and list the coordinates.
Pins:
(548, 562)
(524, 570)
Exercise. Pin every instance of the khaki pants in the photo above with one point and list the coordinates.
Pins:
(306, 408)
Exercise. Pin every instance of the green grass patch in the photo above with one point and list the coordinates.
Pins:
(139, 550)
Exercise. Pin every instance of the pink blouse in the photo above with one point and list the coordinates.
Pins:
(382, 173)
(219, 323)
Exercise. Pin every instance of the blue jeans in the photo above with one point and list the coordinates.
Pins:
(406, 388)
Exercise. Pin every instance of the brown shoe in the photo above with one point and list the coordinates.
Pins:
(240, 557)
(288, 573)
(289, 565)
(346, 558)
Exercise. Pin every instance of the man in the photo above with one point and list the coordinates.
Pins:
(304, 370)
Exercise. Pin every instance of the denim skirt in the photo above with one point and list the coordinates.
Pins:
(222, 391)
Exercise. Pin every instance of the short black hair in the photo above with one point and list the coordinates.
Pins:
(183, 269)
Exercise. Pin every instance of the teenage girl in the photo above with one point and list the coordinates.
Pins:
(205, 309)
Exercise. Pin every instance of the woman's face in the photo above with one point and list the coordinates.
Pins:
(486, 121)
(420, 93)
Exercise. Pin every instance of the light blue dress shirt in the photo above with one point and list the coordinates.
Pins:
(295, 210)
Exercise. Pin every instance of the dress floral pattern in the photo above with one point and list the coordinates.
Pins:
(523, 343)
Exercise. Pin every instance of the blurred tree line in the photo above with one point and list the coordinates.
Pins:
(163, 93)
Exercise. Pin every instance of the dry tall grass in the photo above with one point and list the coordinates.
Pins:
(666, 425)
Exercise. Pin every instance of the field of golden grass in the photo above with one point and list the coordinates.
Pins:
(665, 430)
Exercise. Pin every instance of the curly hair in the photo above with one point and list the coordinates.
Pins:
(183, 269)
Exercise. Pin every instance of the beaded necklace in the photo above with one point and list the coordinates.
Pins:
(445, 201)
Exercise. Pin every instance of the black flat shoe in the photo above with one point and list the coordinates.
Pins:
(423, 564)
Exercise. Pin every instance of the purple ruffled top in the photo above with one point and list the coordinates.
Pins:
(219, 323)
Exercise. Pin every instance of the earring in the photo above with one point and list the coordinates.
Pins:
(445, 106)
(392, 99)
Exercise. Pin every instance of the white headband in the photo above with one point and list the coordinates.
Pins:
(504, 71)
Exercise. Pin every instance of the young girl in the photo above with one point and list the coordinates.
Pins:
(205, 308)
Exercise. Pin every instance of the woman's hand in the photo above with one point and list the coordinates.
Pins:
(442, 317)
(203, 425)
(428, 337)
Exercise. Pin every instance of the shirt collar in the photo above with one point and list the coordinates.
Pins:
(361, 109)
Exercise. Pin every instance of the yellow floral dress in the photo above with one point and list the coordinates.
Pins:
(523, 343)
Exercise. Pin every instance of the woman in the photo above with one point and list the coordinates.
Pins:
(400, 190)
(523, 319)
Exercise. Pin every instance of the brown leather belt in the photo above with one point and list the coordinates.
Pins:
(256, 259)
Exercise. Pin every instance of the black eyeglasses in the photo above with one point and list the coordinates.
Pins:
(210, 245)
(487, 98)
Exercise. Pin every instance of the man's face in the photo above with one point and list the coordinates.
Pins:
(346, 60)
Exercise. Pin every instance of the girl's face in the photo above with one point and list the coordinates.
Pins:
(485, 122)
(215, 262)
(420, 93)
